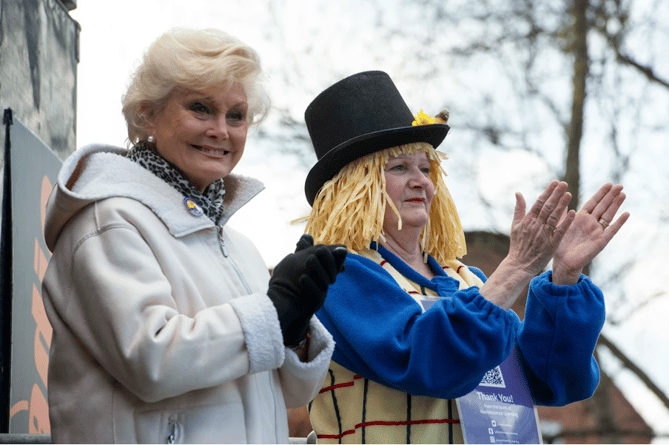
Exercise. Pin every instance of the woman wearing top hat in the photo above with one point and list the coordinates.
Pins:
(378, 188)
(167, 327)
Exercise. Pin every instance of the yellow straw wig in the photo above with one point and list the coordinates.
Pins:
(349, 209)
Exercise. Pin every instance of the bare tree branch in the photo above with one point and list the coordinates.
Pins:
(635, 369)
(645, 70)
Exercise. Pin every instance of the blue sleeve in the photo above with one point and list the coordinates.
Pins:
(557, 339)
(383, 334)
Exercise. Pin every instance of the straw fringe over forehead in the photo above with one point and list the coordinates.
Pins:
(349, 209)
(196, 60)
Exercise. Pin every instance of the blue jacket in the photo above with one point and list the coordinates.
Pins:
(383, 334)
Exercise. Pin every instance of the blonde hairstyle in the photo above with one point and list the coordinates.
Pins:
(349, 209)
(190, 59)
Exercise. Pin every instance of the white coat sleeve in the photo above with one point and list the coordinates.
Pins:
(301, 381)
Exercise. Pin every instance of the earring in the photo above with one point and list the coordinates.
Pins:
(151, 139)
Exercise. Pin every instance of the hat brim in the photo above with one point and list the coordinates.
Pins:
(334, 160)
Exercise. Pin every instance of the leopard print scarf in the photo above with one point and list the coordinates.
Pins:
(211, 200)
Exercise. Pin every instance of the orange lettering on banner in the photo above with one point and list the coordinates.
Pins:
(38, 422)
(38, 408)
(41, 261)
(44, 328)
(18, 407)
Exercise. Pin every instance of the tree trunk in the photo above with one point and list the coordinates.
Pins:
(600, 402)
(580, 74)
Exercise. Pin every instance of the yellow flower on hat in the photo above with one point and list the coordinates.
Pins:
(423, 118)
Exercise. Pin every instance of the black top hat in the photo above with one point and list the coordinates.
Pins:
(359, 115)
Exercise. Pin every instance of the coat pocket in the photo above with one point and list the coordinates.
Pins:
(193, 424)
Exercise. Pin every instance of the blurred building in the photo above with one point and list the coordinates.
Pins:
(39, 53)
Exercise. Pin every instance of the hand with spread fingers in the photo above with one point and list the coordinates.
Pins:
(535, 236)
(589, 233)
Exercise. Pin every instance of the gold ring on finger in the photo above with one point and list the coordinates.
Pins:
(604, 223)
(550, 228)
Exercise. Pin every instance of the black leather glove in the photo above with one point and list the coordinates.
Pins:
(299, 284)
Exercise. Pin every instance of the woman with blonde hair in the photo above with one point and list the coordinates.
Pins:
(166, 324)
(414, 327)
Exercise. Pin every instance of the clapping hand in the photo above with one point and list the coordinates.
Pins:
(550, 231)
(589, 233)
(535, 236)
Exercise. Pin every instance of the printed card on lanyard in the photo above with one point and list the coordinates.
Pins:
(500, 409)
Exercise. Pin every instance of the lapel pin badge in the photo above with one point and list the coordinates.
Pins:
(193, 207)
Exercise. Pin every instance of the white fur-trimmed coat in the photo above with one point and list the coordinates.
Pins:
(160, 331)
